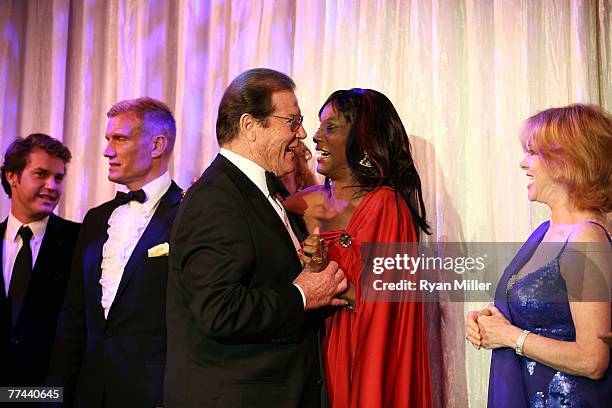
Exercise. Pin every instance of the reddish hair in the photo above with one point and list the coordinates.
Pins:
(575, 144)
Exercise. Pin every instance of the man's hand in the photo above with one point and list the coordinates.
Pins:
(321, 288)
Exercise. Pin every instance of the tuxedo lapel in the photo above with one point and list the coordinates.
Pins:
(52, 240)
(259, 202)
(270, 217)
(5, 315)
(3, 297)
(92, 260)
(160, 224)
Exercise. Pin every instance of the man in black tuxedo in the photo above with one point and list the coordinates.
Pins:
(111, 340)
(36, 251)
(241, 331)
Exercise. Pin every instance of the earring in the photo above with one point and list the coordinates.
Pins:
(365, 161)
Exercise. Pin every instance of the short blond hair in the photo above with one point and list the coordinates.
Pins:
(155, 117)
(575, 144)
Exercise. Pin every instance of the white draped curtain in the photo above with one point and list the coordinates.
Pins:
(463, 74)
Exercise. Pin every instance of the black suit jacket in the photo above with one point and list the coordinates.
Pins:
(238, 335)
(118, 361)
(25, 347)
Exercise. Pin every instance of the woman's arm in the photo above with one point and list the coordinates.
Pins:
(588, 356)
(606, 338)
(308, 204)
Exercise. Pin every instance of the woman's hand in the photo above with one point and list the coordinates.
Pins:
(314, 252)
(496, 331)
(472, 331)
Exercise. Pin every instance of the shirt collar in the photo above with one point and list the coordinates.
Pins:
(154, 191)
(252, 170)
(13, 224)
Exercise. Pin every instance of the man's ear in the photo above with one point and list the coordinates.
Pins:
(12, 177)
(247, 125)
(160, 145)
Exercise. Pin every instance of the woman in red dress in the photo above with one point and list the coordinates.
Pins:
(375, 352)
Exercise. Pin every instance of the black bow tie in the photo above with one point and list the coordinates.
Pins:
(125, 198)
(275, 186)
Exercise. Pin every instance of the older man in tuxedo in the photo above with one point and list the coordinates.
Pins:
(36, 251)
(242, 331)
(111, 343)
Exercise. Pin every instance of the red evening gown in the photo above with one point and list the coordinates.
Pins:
(375, 355)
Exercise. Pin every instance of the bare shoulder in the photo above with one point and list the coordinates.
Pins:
(588, 232)
(300, 202)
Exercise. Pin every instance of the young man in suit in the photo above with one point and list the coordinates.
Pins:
(240, 328)
(36, 251)
(111, 341)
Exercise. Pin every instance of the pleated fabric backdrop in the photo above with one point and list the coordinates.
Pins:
(463, 75)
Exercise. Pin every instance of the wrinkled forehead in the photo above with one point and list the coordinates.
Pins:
(285, 102)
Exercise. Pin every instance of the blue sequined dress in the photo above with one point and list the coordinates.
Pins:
(517, 381)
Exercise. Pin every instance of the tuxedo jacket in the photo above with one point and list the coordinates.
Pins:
(238, 335)
(118, 361)
(26, 346)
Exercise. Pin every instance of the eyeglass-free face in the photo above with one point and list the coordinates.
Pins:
(330, 140)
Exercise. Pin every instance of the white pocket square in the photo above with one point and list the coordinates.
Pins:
(159, 250)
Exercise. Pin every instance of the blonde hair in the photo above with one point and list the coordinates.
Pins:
(575, 144)
(155, 117)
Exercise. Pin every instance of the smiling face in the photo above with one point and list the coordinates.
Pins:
(330, 142)
(541, 187)
(273, 147)
(129, 153)
(37, 190)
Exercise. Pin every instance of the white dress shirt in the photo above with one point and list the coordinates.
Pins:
(126, 225)
(13, 243)
(257, 175)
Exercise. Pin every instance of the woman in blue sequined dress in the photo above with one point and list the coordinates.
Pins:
(554, 298)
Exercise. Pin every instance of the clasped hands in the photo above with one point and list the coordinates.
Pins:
(317, 267)
(490, 329)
